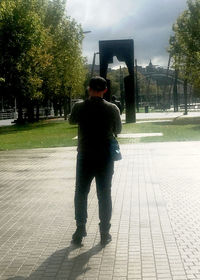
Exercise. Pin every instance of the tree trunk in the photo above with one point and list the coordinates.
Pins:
(30, 112)
(55, 108)
(60, 109)
(185, 97)
(65, 108)
(20, 112)
(37, 112)
(175, 93)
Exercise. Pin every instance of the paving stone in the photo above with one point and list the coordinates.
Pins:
(155, 223)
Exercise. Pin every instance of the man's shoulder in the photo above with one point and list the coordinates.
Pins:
(111, 106)
(79, 103)
(84, 103)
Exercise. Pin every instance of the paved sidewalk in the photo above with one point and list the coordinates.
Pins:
(155, 224)
(163, 115)
(139, 116)
(6, 122)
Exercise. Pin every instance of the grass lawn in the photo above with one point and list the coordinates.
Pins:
(44, 134)
(51, 133)
(178, 129)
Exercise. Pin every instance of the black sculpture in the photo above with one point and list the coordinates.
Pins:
(124, 51)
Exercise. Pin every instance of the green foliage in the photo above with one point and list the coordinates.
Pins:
(185, 43)
(147, 86)
(22, 47)
(67, 68)
(114, 77)
(40, 50)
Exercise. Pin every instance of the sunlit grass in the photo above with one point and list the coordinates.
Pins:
(38, 135)
(179, 129)
(46, 134)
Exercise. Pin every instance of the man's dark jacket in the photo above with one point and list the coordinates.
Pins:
(98, 121)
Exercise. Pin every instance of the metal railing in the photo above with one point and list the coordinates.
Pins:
(7, 115)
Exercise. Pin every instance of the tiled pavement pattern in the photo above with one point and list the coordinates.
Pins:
(155, 224)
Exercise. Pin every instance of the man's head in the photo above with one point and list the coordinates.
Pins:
(97, 86)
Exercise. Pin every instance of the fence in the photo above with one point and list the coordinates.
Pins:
(7, 115)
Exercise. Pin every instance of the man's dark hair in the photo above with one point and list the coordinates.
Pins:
(98, 84)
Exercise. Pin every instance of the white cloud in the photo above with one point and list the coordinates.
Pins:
(148, 22)
(100, 13)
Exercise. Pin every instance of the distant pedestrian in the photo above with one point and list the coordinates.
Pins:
(98, 121)
(117, 103)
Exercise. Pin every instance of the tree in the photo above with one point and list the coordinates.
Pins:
(66, 74)
(185, 43)
(147, 86)
(64, 78)
(23, 51)
(40, 52)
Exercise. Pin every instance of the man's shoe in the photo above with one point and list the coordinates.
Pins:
(105, 238)
(79, 234)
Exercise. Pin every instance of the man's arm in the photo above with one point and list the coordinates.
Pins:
(117, 121)
(74, 116)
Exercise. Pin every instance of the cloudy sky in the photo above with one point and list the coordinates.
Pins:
(148, 22)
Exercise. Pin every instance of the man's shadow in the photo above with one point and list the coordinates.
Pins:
(59, 262)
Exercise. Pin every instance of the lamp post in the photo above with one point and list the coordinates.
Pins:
(93, 63)
(86, 32)
(136, 86)
(86, 92)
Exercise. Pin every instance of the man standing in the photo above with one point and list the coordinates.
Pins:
(98, 122)
(117, 103)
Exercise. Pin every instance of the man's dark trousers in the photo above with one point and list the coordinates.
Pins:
(100, 167)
